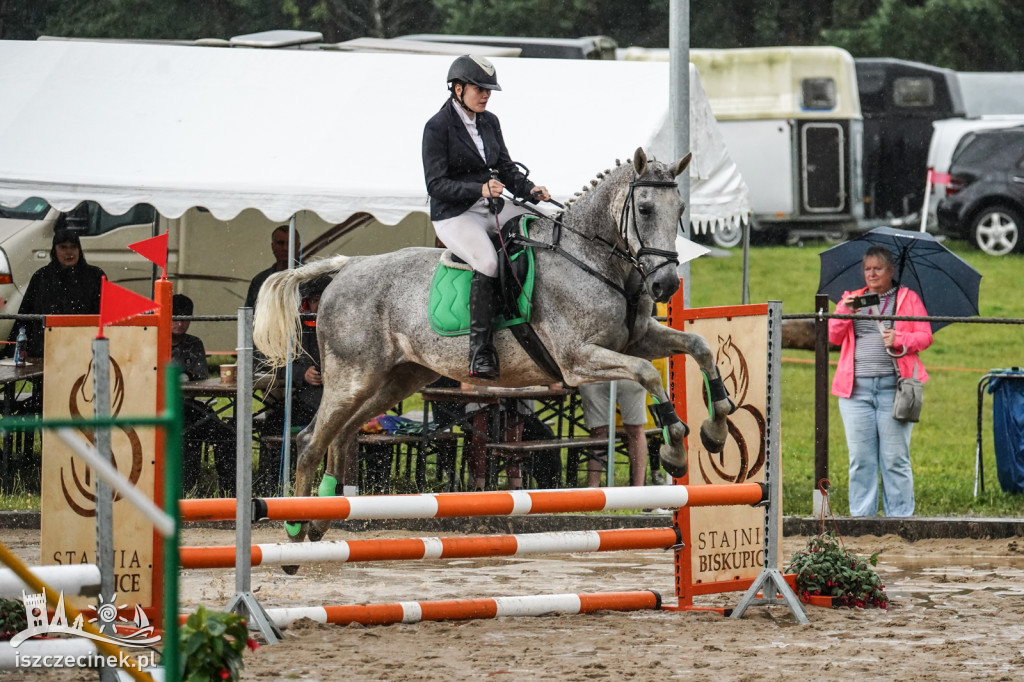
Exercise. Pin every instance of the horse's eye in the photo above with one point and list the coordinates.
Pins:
(645, 209)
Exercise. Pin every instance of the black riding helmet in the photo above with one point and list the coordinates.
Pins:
(474, 70)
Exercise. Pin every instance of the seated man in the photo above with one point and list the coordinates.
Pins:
(202, 425)
(631, 399)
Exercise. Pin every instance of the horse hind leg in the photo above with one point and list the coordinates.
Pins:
(309, 455)
(342, 469)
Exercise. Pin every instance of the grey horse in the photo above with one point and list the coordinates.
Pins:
(377, 347)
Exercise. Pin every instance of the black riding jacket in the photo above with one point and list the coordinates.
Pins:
(452, 166)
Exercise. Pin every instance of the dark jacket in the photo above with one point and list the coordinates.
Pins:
(57, 290)
(306, 397)
(190, 355)
(256, 283)
(455, 172)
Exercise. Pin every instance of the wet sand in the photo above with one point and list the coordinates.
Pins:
(957, 612)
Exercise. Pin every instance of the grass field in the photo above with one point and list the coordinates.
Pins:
(943, 446)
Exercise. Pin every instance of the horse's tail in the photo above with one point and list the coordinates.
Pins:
(276, 324)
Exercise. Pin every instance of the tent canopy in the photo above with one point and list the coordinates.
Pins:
(330, 132)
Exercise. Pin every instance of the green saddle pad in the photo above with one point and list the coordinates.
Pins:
(448, 300)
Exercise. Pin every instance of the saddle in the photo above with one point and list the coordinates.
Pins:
(448, 299)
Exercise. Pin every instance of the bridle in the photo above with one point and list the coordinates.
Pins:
(619, 249)
(629, 209)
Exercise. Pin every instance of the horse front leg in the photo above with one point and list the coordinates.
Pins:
(660, 341)
(601, 364)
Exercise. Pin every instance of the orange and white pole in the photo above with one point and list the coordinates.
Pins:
(412, 549)
(509, 503)
(469, 609)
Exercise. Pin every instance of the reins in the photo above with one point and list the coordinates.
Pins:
(628, 209)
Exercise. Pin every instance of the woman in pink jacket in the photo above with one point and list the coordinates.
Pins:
(865, 383)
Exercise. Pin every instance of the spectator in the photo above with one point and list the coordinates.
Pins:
(202, 425)
(279, 245)
(631, 398)
(873, 355)
(67, 285)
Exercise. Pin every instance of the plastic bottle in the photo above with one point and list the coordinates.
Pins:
(20, 348)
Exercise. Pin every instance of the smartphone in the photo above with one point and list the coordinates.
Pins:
(864, 301)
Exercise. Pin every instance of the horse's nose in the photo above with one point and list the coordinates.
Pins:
(663, 285)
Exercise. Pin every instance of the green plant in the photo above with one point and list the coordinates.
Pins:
(12, 618)
(824, 567)
(212, 643)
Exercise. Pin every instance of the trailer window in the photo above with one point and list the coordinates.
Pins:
(30, 209)
(818, 93)
(101, 222)
(913, 92)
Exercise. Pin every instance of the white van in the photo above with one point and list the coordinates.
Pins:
(210, 260)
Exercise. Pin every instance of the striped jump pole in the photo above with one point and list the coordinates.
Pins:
(508, 503)
(470, 609)
(83, 579)
(410, 549)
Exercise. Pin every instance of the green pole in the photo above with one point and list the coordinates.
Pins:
(172, 490)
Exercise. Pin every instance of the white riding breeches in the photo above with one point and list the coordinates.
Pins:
(467, 234)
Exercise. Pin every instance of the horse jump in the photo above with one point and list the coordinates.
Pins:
(443, 505)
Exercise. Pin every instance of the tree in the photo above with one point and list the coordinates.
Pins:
(966, 35)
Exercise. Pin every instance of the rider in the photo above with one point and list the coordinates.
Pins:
(467, 166)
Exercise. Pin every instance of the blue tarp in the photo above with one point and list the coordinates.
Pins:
(1008, 427)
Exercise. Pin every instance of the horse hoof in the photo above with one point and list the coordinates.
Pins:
(711, 444)
(290, 570)
(674, 469)
(316, 534)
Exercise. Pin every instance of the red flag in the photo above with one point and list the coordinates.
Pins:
(117, 303)
(153, 249)
(937, 178)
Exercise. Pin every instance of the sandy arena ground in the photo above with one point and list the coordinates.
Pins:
(957, 613)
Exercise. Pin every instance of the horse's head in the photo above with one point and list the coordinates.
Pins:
(649, 221)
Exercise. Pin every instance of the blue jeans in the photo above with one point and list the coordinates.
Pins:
(878, 444)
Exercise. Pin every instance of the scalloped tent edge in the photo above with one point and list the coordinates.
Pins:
(283, 131)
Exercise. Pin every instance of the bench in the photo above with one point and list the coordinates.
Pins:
(377, 453)
(573, 447)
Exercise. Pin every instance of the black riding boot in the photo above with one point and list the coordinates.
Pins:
(483, 358)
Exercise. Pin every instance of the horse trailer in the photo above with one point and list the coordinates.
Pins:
(900, 101)
(791, 120)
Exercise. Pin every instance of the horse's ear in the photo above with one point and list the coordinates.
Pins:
(639, 161)
(683, 164)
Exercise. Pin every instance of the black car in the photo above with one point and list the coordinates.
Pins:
(984, 199)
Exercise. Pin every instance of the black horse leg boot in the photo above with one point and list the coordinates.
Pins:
(483, 358)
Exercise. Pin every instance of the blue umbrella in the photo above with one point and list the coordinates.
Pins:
(947, 285)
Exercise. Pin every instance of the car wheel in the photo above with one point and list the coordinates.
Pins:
(996, 230)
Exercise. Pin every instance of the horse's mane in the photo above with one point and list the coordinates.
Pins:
(601, 177)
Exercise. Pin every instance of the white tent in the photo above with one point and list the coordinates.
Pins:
(331, 132)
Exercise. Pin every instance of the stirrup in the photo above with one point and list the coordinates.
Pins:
(480, 358)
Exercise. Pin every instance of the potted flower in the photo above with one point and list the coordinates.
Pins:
(829, 574)
(212, 643)
(12, 618)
